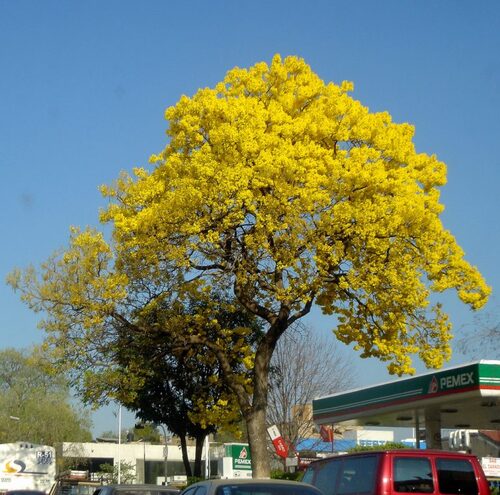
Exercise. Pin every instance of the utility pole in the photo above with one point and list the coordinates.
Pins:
(165, 451)
(119, 443)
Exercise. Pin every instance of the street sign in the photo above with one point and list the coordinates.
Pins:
(491, 466)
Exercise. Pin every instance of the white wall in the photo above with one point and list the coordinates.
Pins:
(127, 452)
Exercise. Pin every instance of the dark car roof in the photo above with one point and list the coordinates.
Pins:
(415, 452)
(216, 483)
(138, 488)
(247, 481)
(25, 491)
(142, 487)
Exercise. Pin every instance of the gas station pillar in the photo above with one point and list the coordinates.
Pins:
(433, 429)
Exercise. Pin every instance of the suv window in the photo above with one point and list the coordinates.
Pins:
(344, 475)
(357, 475)
(456, 476)
(413, 474)
(325, 478)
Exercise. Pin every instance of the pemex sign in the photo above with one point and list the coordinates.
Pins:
(240, 454)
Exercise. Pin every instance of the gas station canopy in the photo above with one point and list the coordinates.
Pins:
(466, 396)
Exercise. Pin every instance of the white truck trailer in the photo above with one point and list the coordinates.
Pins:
(24, 465)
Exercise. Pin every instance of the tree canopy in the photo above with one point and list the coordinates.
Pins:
(288, 192)
(35, 405)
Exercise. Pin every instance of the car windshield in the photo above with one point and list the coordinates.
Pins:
(76, 489)
(263, 489)
(142, 491)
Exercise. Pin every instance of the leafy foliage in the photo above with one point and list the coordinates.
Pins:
(386, 446)
(281, 475)
(40, 400)
(109, 472)
(182, 387)
(147, 432)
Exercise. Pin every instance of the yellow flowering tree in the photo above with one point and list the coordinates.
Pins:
(288, 192)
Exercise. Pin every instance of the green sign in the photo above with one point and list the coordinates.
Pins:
(240, 454)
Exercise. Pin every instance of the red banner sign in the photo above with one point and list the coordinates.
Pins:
(326, 433)
(281, 447)
(279, 443)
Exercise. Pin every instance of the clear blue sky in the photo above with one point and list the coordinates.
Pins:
(83, 87)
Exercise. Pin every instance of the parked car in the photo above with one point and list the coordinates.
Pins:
(250, 487)
(136, 490)
(25, 492)
(74, 482)
(393, 472)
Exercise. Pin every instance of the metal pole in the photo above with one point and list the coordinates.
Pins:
(417, 430)
(165, 451)
(119, 443)
(207, 458)
(144, 460)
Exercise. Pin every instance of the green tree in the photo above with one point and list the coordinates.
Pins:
(181, 386)
(109, 472)
(287, 192)
(35, 405)
(147, 432)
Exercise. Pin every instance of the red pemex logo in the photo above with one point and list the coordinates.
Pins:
(243, 453)
(433, 386)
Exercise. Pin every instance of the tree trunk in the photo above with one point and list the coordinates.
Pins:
(198, 454)
(257, 437)
(256, 416)
(254, 412)
(185, 457)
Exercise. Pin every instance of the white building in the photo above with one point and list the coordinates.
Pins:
(147, 460)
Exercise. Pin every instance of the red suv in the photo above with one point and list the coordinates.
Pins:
(394, 472)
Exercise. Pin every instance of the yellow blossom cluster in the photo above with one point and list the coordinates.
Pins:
(293, 191)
